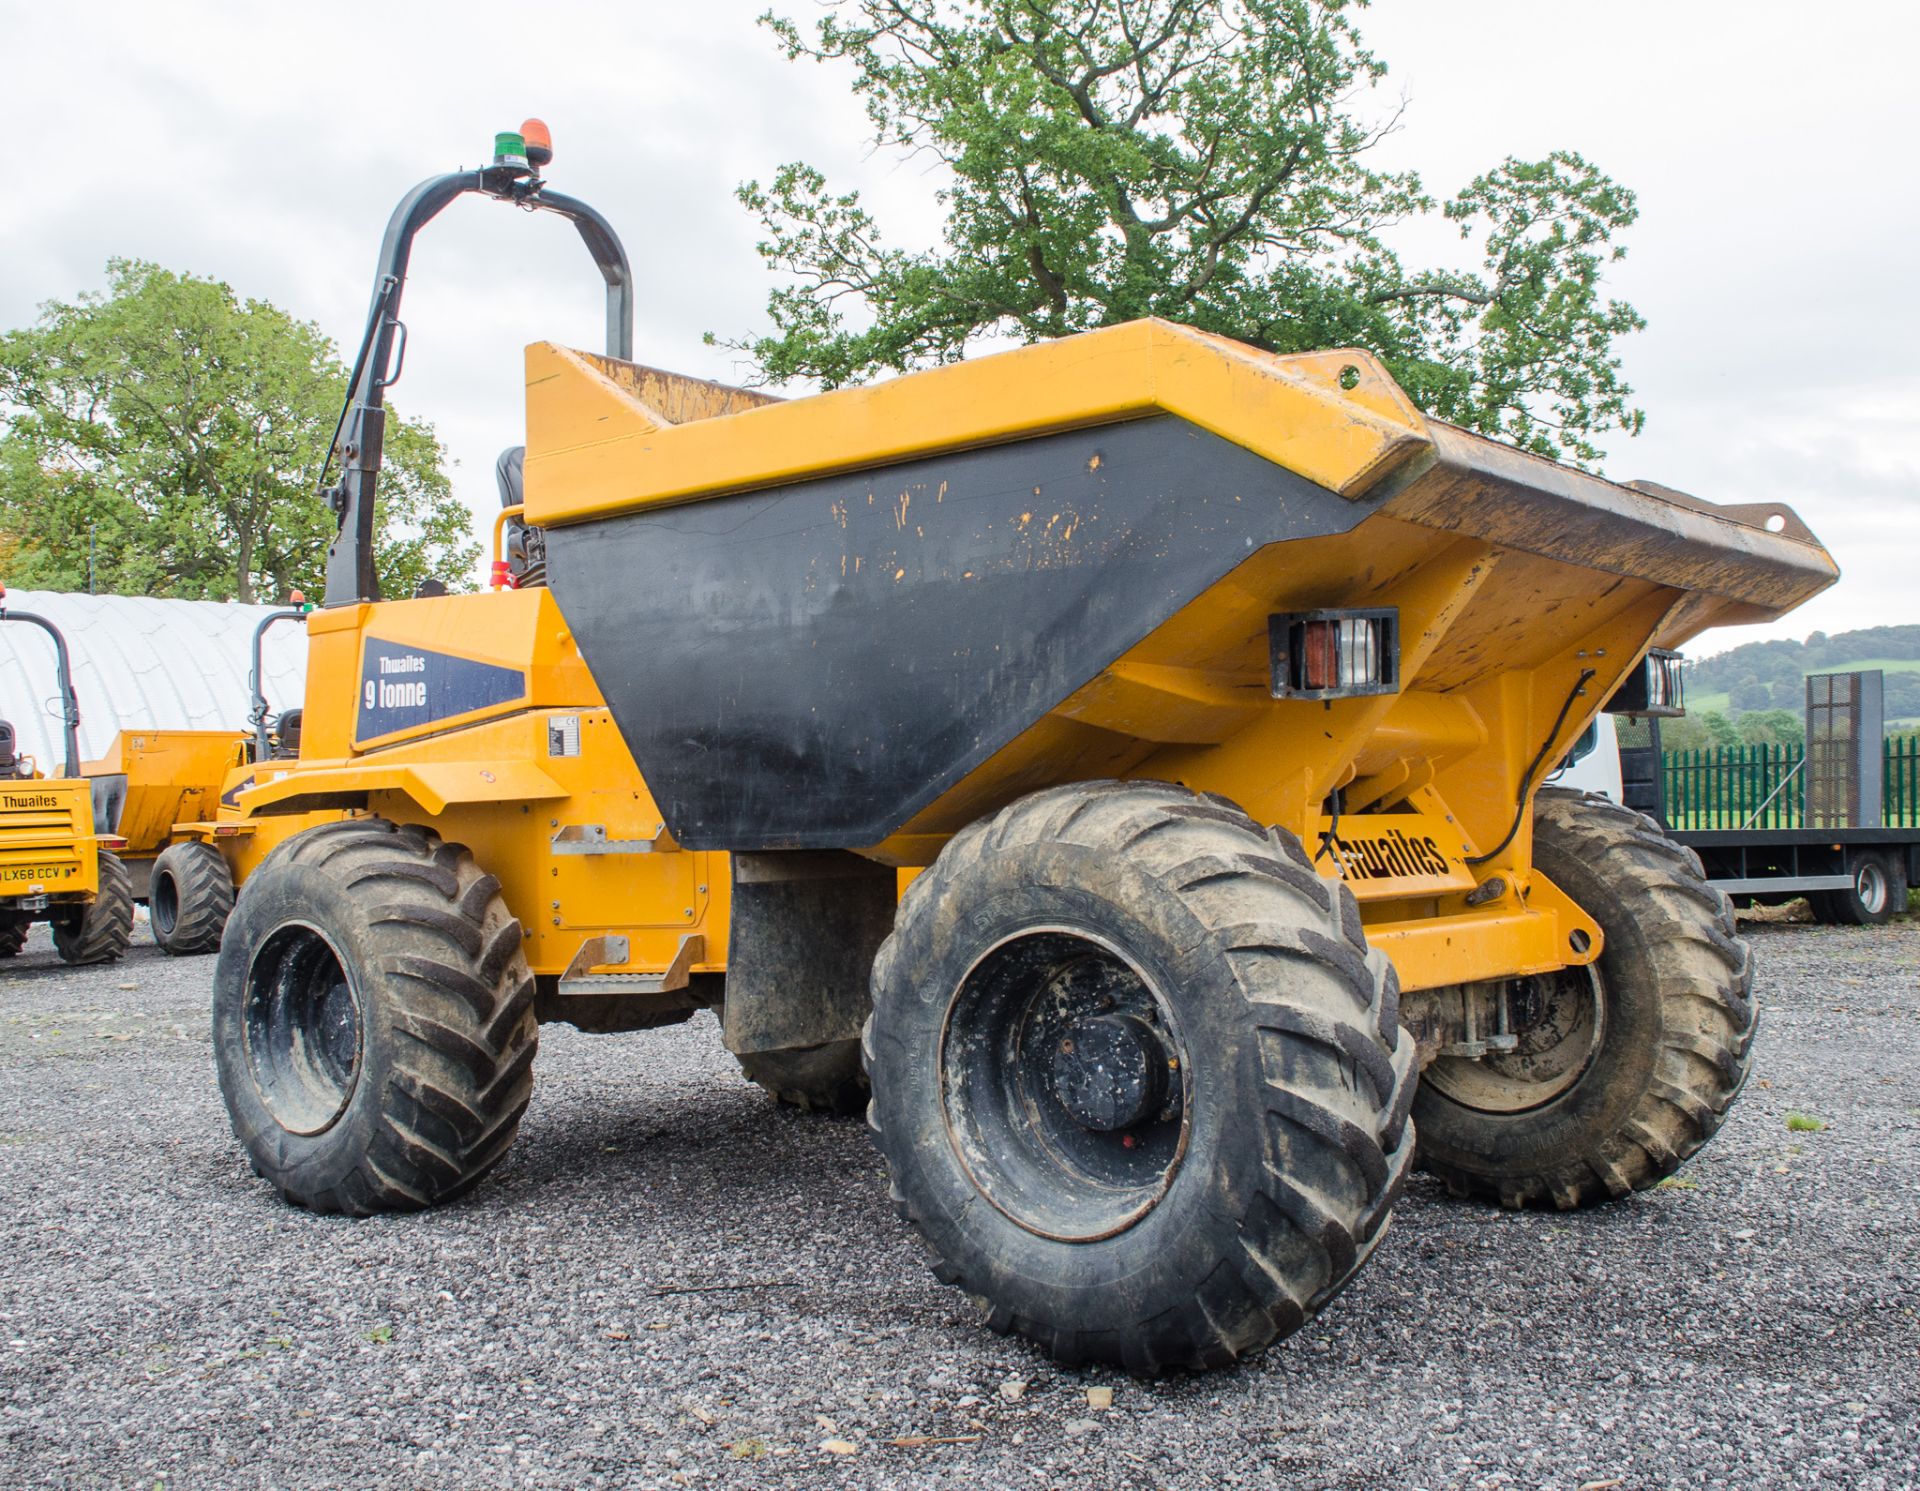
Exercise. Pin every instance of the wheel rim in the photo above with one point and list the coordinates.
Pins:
(1870, 887)
(163, 904)
(1064, 1084)
(303, 1029)
(1560, 1020)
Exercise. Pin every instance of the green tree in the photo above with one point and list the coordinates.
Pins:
(1771, 727)
(1684, 733)
(1749, 693)
(1721, 734)
(183, 430)
(1208, 161)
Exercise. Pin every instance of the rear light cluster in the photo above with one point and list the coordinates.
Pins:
(1335, 654)
(1654, 690)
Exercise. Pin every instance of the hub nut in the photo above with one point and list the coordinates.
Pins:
(1111, 1072)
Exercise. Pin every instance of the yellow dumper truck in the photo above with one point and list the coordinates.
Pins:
(58, 834)
(1209, 691)
(201, 846)
(153, 820)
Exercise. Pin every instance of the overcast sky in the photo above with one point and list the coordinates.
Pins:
(1770, 144)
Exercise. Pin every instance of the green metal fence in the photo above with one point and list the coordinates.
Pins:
(1762, 786)
(1903, 782)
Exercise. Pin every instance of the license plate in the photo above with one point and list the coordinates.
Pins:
(50, 875)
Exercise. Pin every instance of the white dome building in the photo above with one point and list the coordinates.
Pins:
(140, 664)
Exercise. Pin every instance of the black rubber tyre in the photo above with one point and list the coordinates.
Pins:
(1665, 1052)
(1878, 890)
(102, 932)
(13, 937)
(820, 1079)
(373, 1021)
(189, 898)
(1140, 1084)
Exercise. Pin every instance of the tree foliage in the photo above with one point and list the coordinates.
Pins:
(1208, 161)
(1771, 675)
(183, 430)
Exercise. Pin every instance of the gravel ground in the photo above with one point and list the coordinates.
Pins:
(671, 1282)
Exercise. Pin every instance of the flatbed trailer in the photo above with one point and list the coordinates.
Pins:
(1853, 868)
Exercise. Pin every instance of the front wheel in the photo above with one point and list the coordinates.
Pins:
(373, 1021)
(1139, 1082)
(1623, 1069)
(189, 898)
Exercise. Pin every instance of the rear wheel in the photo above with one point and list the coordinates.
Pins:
(1624, 1068)
(13, 937)
(103, 930)
(1872, 898)
(189, 898)
(373, 1021)
(821, 1079)
(1139, 1082)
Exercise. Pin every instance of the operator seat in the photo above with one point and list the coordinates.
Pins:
(13, 766)
(286, 732)
(525, 545)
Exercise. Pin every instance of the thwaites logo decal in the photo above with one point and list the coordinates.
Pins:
(29, 802)
(1388, 856)
(403, 688)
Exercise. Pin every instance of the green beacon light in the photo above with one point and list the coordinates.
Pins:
(510, 149)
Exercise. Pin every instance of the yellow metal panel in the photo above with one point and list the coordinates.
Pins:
(521, 629)
(47, 843)
(593, 447)
(1392, 856)
(496, 787)
(434, 785)
(171, 775)
(653, 896)
(1469, 947)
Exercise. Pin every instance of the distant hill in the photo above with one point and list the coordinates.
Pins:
(1770, 675)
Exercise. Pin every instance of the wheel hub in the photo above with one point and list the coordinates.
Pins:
(302, 1030)
(1558, 1026)
(1110, 1072)
(1064, 1085)
(1870, 885)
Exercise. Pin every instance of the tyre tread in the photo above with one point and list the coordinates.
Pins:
(104, 931)
(203, 897)
(462, 1004)
(1702, 968)
(1346, 1098)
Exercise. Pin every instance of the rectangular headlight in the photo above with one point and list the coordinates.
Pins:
(1334, 654)
(1654, 690)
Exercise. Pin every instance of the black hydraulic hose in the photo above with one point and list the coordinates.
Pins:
(1526, 779)
(1332, 835)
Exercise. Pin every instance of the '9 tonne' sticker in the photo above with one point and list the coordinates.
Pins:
(402, 688)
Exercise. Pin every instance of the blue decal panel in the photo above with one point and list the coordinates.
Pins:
(403, 688)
